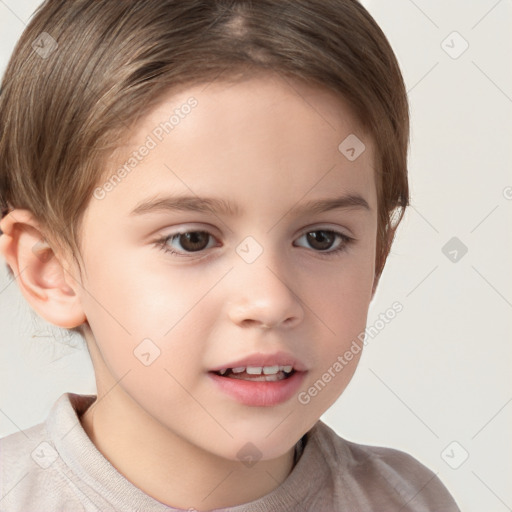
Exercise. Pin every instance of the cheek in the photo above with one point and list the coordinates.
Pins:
(152, 310)
(342, 297)
(142, 298)
(341, 307)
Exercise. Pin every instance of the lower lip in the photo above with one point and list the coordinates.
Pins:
(260, 393)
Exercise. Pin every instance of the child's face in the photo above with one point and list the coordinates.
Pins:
(256, 283)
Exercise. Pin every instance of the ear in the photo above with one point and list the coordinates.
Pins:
(42, 279)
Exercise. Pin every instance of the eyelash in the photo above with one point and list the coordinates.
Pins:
(162, 243)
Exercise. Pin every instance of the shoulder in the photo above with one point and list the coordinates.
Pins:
(24, 456)
(15, 447)
(376, 475)
(33, 475)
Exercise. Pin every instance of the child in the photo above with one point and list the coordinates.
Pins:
(275, 133)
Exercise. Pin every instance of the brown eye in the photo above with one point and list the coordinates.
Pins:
(193, 240)
(187, 242)
(321, 239)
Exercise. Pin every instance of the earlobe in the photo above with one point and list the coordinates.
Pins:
(41, 277)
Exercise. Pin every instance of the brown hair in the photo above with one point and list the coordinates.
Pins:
(84, 71)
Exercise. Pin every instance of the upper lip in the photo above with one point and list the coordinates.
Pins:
(261, 359)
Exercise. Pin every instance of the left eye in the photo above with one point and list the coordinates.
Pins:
(196, 241)
(319, 237)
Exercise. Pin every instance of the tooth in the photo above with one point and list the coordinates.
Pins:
(254, 370)
(239, 369)
(270, 370)
(263, 378)
(287, 369)
(222, 372)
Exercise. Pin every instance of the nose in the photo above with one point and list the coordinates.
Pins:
(263, 295)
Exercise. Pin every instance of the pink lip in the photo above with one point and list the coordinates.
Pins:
(259, 394)
(260, 359)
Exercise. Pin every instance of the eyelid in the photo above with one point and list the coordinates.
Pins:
(182, 229)
(187, 228)
(346, 241)
(191, 228)
(326, 227)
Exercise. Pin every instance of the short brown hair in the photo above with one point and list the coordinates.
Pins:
(64, 109)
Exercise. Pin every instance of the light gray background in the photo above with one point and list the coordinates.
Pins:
(440, 371)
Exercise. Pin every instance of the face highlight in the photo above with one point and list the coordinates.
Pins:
(243, 231)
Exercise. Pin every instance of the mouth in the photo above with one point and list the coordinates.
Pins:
(264, 386)
(257, 373)
(260, 379)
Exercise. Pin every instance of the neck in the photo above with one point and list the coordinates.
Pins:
(169, 468)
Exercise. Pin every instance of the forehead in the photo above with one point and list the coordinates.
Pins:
(266, 136)
(233, 102)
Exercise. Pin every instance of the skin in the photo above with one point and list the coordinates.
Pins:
(266, 144)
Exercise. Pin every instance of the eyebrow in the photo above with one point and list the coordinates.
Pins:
(217, 205)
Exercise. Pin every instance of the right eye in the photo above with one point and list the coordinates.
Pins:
(191, 241)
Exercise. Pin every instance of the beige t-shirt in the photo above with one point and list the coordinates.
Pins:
(54, 466)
